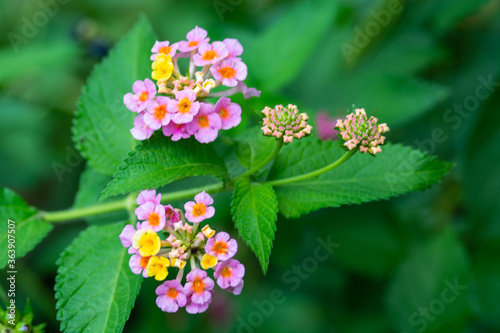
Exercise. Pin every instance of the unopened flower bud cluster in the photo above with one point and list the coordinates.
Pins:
(285, 122)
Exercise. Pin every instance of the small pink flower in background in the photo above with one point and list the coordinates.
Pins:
(229, 72)
(200, 209)
(141, 131)
(157, 114)
(138, 264)
(325, 126)
(230, 113)
(177, 131)
(171, 215)
(234, 47)
(152, 215)
(163, 48)
(195, 38)
(205, 125)
(184, 107)
(198, 289)
(170, 296)
(148, 196)
(209, 54)
(126, 237)
(221, 246)
(144, 92)
(229, 274)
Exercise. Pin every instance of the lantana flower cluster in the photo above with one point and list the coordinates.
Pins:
(164, 241)
(177, 103)
(359, 131)
(285, 122)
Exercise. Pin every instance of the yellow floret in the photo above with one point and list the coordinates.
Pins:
(158, 267)
(162, 67)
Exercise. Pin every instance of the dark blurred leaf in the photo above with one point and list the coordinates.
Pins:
(29, 227)
(254, 209)
(95, 288)
(428, 293)
(160, 161)
(397, 170)
(102, 125)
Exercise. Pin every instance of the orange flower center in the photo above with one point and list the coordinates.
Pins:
(165, 50)
(227, 72)
(144, 261)
(223, 113)
(226, 272)
(209, 55)
(143, 96)
(193, 43)
(172, 293)
(184, 105)
(154, 219)
(198, 286)
(220, 247)
(203, 122)
(160, 112)
(199, 209)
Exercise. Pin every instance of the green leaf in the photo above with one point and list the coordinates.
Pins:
(363, 178)
(433, 277)
(160, 161)
(102, 125)
(95, 288)
(29, 228)
(254, 209)
(252, 147)
(275, 60)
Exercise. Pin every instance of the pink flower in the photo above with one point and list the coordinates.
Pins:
(234, 47)
(126, 237)
(229, 72)
(229, 273)
(141, 131)
(170, 296)
(171, 215)
(230, 113)
(184, 107)
(210, 54)
(148, 196)
(198, 290)
(152, 215)
(221, 246)
(197, 212)
(325, 126)
(177, 131)
(138, 264)
(144, 92)
(236, 290)
(163, 48)
(157, 115)
(195, 38)
(205, 125)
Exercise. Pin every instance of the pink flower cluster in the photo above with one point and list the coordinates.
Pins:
(286, 123)
(177, 103)
(359, 131)
(182, 244)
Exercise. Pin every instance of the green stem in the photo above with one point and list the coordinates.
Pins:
(314, 173)
(277, 147)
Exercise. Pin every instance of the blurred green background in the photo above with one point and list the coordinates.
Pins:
(425, 262)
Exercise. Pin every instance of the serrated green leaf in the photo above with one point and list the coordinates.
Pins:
(95, 289)
(433, 277)
(252, 147)
(160, 161)
(29, 228)
(102, 124)
(274, 63)
(254, 209)
(397, 170)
